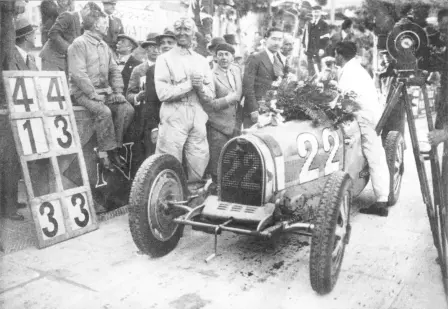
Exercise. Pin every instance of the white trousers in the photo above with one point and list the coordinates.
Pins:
(182, 130)
(376, 157)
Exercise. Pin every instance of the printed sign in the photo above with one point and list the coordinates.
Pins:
(46, 137)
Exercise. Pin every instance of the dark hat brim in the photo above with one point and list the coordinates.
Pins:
(132, 40)
(161, 36)
(25, 30)
(148, 43)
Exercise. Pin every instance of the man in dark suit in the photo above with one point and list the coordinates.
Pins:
(64, 31)
(346, 34)
(115, 24)
(50, 10)
(261, 70)
(315, 40)
(10, 170)
(126, 61)
(222, 112)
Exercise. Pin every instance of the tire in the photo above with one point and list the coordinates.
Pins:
(159, 178)
(333, 212)
(395, 161)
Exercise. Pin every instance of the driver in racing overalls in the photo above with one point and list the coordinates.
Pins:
(183, 83)
(353, 77)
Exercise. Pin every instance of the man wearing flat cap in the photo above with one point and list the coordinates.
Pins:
(142, 93)
(126, 61)
(224, 111)
(97, 84)
(10, 169)
(65, 30)
(115, 26)
(315, 39)
(184, 84)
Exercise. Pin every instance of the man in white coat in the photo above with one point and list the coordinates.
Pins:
(353, 77)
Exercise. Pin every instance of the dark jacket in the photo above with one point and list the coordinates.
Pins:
(17, 62)
(316, 37)
(64, 31)
(127, 71)
(49, 10)
(115, 28)
(222, 115)
(258, 78)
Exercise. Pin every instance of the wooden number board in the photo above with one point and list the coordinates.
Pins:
(46, 138)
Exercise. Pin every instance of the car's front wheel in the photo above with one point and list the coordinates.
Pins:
(159, 179)
(331, 233)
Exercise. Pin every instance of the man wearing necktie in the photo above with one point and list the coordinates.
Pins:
(315, 40)
(261, 70)
(223, 110)
(10, 170)
(126, 61)
(115, 24)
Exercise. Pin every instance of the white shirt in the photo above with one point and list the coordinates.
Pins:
(23, 53)
(353, 77)
(271, 56)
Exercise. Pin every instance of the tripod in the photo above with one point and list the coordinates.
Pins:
(437, 209)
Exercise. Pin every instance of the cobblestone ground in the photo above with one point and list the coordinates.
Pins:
(389, 264)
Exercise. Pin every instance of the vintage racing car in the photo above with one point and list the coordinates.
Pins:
(293, 177)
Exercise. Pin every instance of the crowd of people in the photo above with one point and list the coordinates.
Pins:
(178, 102)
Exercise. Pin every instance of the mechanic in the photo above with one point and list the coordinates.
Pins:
(353, 77)
(183, 83)
(223, 111)
(96, 83)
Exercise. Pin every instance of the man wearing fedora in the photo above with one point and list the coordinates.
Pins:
(25, 40)
(96, 83)
(63, 32)
(223, 112)
(212, 49)
(10, 169)
(126, 61)
(142, 91)
(115, 26)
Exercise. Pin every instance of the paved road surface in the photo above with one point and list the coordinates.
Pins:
(389, 264)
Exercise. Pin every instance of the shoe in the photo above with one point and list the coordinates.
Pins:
(115, 159)
(16, 217)
(105, 162)
(378, 208)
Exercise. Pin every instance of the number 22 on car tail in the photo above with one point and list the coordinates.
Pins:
(319, 154)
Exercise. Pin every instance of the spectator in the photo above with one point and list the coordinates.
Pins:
(261, 70)
(223, 111)
(126, 61)
(315, 40)
(54, 53)
(10, 169)
(96, 83)
(50, 10)
(143, 94)
(183, 89)
(212, 49)
(345, 34)
(115, 26)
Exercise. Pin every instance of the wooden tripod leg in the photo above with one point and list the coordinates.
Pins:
(391, 103)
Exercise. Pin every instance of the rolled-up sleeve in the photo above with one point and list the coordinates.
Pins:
(78, 68)
(166, 90)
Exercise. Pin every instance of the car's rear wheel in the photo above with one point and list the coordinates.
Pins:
(159, 179)
(331, 233)
(395, 160)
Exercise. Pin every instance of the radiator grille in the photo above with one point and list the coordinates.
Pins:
(241, 174)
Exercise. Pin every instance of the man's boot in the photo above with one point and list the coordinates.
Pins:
(115, 159)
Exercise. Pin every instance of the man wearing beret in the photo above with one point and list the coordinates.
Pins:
(115, 26)
(97, 84)
(54, 53)
(223, 110)
(184, 84)
(126, 61)
(142, 91)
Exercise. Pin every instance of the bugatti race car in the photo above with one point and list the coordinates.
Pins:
(293, 177)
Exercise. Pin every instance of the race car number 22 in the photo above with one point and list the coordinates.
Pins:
(308, 146)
